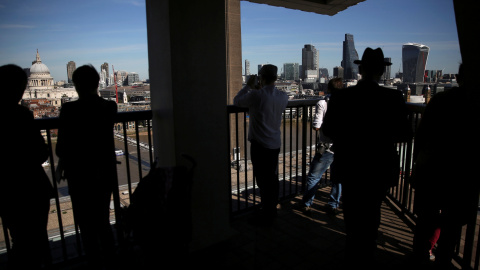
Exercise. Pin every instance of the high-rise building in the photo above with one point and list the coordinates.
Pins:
(259, 67)
(290, 71)
(247, 67)
(132, 77)
(310, 60)
(338, 72)
(414, 62)
(122, 77)
(387, 70)
(350, 69)
(104, 66)
(323, 73)
(433, 76)
(70, 69)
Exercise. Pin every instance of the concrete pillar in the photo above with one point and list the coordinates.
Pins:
(467, 21)
(191, 66)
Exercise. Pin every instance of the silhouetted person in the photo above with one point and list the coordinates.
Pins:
(323, 158)
(364, 122)
(86, 149)
(445, 175)
(266, 105)
(25, 189)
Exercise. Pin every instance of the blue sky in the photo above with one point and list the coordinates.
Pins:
(114, 31)
(87, 32)
(277, 35)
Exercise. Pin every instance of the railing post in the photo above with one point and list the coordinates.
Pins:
(470, 252)
(304, 144)
(57, 199)
(406, 179)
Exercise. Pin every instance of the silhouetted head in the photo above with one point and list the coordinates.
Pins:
(268, 74)
(85, 79)
(372, 64)
(334, 84)
(14, 80)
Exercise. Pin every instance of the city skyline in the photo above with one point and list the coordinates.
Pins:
(114, 31)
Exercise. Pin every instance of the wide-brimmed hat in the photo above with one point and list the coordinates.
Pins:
(372, 57)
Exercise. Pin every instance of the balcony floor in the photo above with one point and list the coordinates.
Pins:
(300, 241)
(294, 241)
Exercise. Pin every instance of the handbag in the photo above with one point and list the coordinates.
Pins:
(321, 148)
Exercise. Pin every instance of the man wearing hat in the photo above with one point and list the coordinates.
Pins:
(364, 122)
(266, 105)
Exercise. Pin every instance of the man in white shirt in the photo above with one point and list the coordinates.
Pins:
(266, 105)
(323, 158)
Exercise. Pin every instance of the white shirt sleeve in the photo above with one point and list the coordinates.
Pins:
(320, 109)
(243, 97)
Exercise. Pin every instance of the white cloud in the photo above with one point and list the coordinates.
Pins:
(16, 26)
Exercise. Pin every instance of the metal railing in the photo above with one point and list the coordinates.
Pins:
(133, 163)
(296, 152)
(292, 169)
(403, 196)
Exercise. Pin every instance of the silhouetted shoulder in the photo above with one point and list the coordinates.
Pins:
(21, 112)
(112, 105)
(390, 91)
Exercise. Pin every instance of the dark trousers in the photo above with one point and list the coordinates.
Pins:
(28, 230)
(362, 210)
(265, 171)
(91, 211)
(429, 222)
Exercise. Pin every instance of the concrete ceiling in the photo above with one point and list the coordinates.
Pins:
(325, 7)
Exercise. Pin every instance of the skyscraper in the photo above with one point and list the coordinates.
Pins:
(70, 69)
(387, 70)
(290, 71)
(350, 69)
(309, 60)
(104, 66)
(247, 67)
(259, 67)
(323, 73)
(338, 72)
(414, 61)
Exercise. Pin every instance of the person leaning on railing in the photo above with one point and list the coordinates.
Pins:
(86, 150)
(25, 189)
(266, 105)
(323, 159)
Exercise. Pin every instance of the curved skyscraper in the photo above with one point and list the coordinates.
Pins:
(350, 69)
(414, 58)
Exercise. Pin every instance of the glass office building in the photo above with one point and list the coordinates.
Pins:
(350, 69)
(290, 71)
(414, 62)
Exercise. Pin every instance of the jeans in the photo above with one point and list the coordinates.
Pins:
(335, 194)
(319, 165)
